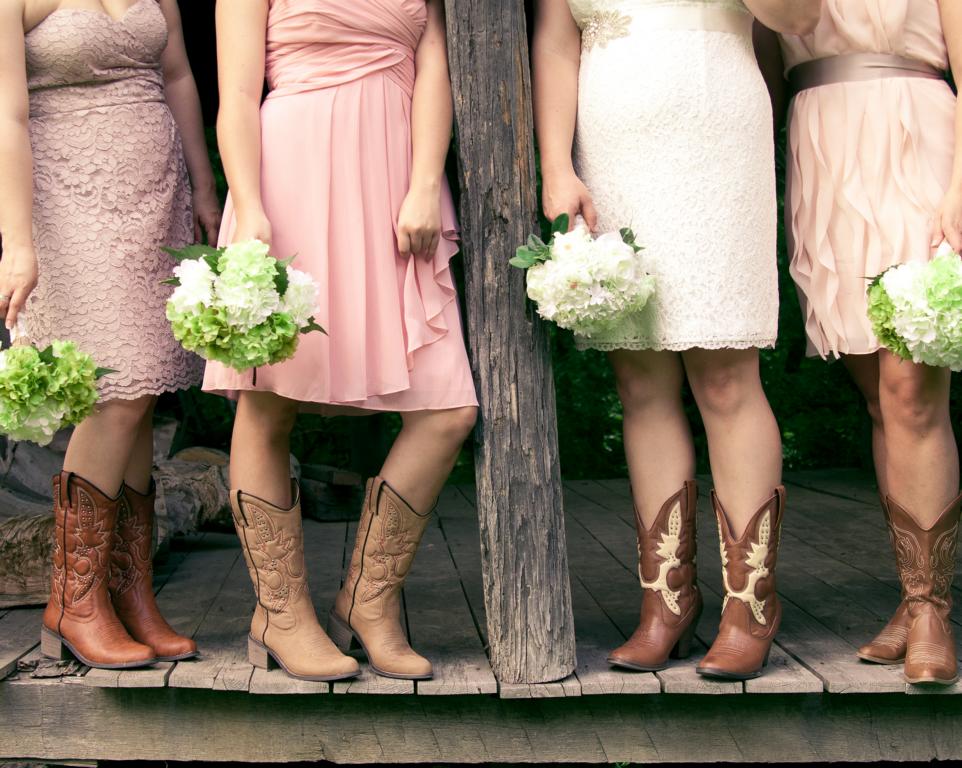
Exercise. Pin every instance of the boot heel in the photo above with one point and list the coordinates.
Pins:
(682, 649)
(258, 655)
(340, 633)
(52, 646)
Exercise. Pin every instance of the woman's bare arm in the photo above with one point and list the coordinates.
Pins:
(947, 223)
(790, 17)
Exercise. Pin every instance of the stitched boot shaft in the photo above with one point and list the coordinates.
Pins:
(751, 611)
(671, 601)
(888, 646)
(79, 618)
(368, 607)
(284, 628)
(131, 579)
(926, 563)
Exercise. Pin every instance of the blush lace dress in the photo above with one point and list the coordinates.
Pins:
(110, 188)
(674, 139)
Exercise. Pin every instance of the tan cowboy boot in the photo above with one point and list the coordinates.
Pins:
(79, 619)
(131, 579)
(888, 646)
(926, 562)
(751, 612)
(671, 601)
(284, 629)
(368, 607)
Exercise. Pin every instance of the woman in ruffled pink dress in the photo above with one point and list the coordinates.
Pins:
(342, 166)
(875, 180)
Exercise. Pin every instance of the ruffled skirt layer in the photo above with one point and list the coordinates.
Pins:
(868, 165)
(336, 166)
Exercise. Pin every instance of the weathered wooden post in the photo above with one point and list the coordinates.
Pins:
(526, 588)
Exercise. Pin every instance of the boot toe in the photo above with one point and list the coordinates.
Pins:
(175, 649)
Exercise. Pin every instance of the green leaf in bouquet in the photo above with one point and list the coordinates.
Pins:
(196, 251)
(281, 280)
(525, 258)
(99, 373)
(560, 224)
(312, 326)
(174, 281)
(535, 243)
(628, 236)
(46, 355)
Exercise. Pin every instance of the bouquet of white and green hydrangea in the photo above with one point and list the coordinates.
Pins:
(43, 391)
(239, 305)
(582, 283)
(916, 310)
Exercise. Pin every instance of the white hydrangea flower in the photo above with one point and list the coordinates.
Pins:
(196, 287)
(300, 299)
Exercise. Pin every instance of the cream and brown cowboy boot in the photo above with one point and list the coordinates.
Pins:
(751, 612)
(926, 562)
(888, 646)
(284, 629)
(368, 607)
(671, 602)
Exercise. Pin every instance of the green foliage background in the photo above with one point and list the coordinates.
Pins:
(820, 412)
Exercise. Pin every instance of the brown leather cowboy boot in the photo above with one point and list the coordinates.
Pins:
(926, 562)
(368, 607)
(888, 646)
(751, 612)
(131, 579)
(284, 629)
(671, 601)
(80, 620)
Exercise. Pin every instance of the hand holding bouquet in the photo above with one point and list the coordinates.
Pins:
(585, 284)
(239, 305)
(43, 391)
(916, 310)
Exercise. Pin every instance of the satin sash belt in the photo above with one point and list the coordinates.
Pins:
(692, 18)
(857, 67)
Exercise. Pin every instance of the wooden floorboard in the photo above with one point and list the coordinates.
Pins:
(19, 632)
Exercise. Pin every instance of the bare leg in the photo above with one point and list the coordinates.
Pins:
(141, 463)
(864, 370)
(922, 460)
(744, 443)
(101, 447)
(658, 442)
(261, 445)
(424, 453)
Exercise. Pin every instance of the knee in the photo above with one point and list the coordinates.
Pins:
(126, 415)
(874, 407)
(456, 425)
(722, 389)
(270, 417)
(906, 401)
(638, 392)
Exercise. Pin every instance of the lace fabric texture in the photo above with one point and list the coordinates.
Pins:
(674, 139)
(110, 189)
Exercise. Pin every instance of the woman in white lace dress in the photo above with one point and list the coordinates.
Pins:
(653, 114)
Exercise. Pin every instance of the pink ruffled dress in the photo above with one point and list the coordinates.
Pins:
(336, 166)
(869, 163)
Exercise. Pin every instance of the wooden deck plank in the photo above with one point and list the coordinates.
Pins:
(19, 633)
(441, 626)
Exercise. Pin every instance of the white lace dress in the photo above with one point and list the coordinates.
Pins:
(674, 139)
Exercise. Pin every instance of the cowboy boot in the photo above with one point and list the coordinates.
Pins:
(888, 646)
(79, 619)
(671, 602)
(926, 562)
(368, 607)
(751, 611)
(131, 579)
(284, 629)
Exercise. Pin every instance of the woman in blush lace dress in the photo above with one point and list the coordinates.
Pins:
(94, 99)
(653, 114)
(875, 180)
(343, 166)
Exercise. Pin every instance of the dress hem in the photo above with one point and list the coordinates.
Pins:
(672, 346)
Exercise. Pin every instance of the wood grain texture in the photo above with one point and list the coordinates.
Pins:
(527, 595)
(19, 632)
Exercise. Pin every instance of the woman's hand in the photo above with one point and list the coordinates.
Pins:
(566, 193)
(207, 215)
(18, 277)
(419, 222)
(947, 224)
(253, 226)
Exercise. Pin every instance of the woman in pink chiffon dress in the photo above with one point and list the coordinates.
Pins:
(875, 180)
(342, 166)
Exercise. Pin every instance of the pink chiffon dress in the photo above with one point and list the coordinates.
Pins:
(336, 166)
(868, 162)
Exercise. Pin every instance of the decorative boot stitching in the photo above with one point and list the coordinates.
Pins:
(375, 509)
(668, 552)
(128, 543)
(756, 560)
